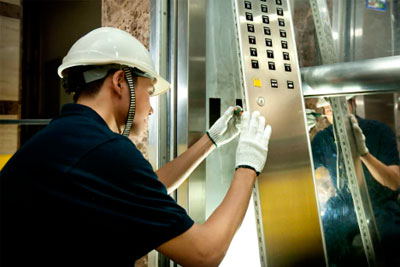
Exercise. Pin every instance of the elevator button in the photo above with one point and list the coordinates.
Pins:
(274, 83)
(253, 51)
(254, 64)
(263, 0)
(278, 2)
(250, 27)
(282, 33)
(265, 19)
(249, 16)
(268, 42)
(267, 31)
(271, 65)
(270, 54)
(261, 101)
(279, 11)
(288, 68)
(264, 8)
(281, 22)
(252, 40)
(257, 82)
(290, 85)
(284, 44)
(247, 4)
(286, 56)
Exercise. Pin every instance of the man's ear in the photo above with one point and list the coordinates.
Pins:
(117, 80)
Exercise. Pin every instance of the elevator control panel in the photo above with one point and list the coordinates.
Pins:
(267, 47)
(271, 84)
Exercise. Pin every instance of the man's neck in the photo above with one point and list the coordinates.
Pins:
(103, 107)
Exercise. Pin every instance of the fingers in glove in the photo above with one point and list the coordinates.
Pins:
(228, 112)
(261, 127)
(353, 119)
(255, 116)
(310, 111)
(245, 121)
(267, 135)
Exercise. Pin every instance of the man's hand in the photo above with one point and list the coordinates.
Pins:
(226, 128)
(253, 142)
(311, 119)
(359, 137)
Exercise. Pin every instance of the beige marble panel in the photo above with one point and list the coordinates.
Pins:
(14, 2)
(8, 136)
(9, 58)
(132, 16)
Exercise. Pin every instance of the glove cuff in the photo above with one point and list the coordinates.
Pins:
(212, 140)
(247, 167)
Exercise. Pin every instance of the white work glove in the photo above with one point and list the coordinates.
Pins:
(226, 128)
(252, 149)
(311, 119)
(359, 137)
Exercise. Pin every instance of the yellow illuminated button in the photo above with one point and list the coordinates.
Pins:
(257, 82)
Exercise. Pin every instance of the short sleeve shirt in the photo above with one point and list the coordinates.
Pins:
(79, 193)
(381, 143)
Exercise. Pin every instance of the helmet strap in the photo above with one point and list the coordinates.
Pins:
(132, 104)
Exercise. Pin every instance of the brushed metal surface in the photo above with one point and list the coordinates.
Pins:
(182, 54)
(378, 75)
(191, 106)
(288, 202)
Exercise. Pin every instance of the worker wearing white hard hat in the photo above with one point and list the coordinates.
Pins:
(376, 146)
(81, 193)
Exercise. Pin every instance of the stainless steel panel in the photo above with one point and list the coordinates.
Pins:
(360, 32)
(158, 50)
(377, 75)
(288, 203)
(191, 98)
(182, 90)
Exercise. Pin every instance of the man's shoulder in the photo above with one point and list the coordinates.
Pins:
(373, 127)
(323, 135)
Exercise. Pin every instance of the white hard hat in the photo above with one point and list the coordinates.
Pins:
(106, 45)
(323, 103)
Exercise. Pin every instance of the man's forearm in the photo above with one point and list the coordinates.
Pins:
(206, 244)
(388, 176)
(176, 171)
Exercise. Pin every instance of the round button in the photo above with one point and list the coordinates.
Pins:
(260, 101)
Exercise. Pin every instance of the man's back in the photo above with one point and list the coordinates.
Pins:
(67, 200)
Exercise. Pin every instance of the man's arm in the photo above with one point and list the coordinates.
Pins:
(175, 172)
(388, 176)
(224, 130)
(206, 244)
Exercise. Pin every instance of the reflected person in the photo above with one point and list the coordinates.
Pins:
(376, 145)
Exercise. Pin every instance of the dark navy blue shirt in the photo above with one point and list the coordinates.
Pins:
(79, 194)
(381, 143)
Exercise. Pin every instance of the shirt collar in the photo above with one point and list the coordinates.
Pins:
(81, 110)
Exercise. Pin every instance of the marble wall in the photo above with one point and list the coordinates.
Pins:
(10, 51)
(132, 16)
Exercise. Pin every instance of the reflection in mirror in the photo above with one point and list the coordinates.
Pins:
(376, 145)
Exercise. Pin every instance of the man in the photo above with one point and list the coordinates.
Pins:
(79, 193)
(376, 144)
